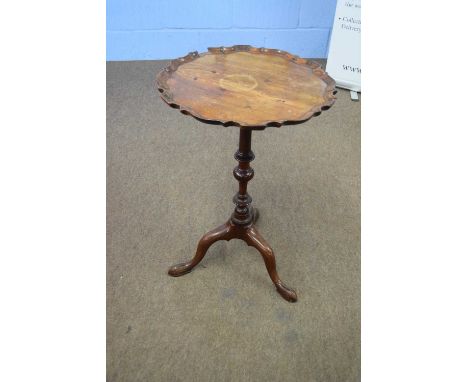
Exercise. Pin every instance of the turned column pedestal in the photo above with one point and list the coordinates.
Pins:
(241, 224)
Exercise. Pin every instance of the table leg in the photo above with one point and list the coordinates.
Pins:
(253, 238)
(222, 232)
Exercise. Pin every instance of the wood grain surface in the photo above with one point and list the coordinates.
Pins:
(247, 86)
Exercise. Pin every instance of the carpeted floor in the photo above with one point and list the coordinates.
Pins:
(169, 180)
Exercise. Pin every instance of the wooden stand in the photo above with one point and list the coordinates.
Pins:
(241, 224)
(253, 89)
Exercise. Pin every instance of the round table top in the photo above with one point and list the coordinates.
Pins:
(247, 86)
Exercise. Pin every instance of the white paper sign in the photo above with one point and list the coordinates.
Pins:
(344, 55)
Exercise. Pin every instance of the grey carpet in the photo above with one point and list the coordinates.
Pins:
(169, 180)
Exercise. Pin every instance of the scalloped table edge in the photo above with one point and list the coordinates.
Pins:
(330, 91)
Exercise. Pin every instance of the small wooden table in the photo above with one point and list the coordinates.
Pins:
(251, 88)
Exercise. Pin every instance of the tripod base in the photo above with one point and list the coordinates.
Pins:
(252, 237)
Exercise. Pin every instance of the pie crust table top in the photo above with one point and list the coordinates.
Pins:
(246, 86)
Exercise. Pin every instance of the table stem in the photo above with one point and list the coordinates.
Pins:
(243, 213)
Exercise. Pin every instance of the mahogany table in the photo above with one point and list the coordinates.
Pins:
(251, 88)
